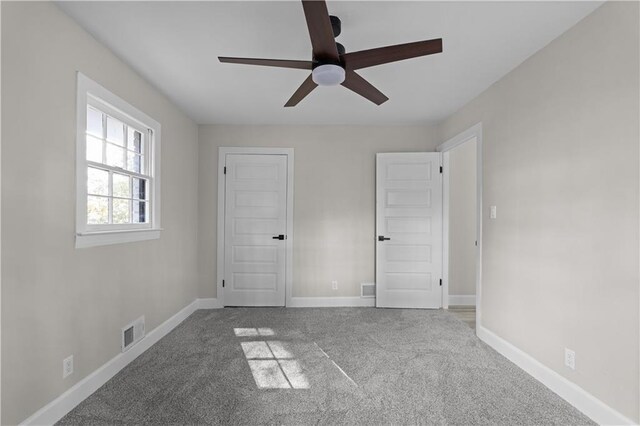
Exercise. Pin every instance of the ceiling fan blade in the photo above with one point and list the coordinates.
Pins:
(281, 63)
(363, 88)
(320, 31)
(398, 52)
(305, 88)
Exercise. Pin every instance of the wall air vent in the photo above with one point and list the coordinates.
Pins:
(132, 333)
(367, 290)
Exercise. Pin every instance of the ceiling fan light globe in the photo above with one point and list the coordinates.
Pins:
(328, 75)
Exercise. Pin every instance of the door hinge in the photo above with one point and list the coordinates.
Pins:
(222, 283)
(441, 281)
(225, 170)
(440, 169)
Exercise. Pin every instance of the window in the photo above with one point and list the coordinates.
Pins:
(118, 180)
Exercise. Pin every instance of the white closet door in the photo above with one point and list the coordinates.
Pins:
(255, 230)
(409, 230)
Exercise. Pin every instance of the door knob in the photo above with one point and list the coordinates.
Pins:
(279, 237)
(382, 238)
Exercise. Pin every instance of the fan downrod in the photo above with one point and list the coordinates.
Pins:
(336, 25)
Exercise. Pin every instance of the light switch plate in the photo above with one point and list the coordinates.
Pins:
(494, 212)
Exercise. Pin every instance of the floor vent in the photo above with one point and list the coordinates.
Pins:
(367, 290)
(132, 333)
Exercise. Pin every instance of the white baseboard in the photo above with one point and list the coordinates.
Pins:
(56, 409)
(466, 300)
(210, 303)
(591, 406)
(331, 302)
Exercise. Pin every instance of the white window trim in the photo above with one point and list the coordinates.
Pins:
(88, 91)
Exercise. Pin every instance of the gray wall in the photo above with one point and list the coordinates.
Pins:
(560, 262)
(462, 219)
(56, 300)
(334, 198)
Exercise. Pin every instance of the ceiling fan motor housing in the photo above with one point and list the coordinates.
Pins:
(329, 73)
(321, 61)
(336, 26)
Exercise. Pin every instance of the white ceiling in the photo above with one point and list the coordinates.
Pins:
(175, 45)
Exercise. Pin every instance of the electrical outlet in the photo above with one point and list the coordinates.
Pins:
(334, 285)
(67, 366)
(570, 358)
(494, 212)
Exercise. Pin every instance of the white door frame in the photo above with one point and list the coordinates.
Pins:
(222, 154)
(473, 132)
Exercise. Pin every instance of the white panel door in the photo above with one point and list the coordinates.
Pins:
(255, 230)
(409, 230)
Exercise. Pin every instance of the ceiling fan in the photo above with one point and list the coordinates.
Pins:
(331, 65)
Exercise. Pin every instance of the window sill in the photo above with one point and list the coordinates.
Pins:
(95, 239)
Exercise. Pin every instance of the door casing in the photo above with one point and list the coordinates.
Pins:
(474, 131)
(222, 154)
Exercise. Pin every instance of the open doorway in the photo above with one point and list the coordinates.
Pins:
(462, 199)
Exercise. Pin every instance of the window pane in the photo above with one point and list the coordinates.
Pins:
(115, 156)
(135, 140)
(134, 162)
(94, 122)
(94, 149)
(115, 131)
(121, 211)
(139, 188)
(97, 210)
(97, 181)
(140, 212)
(121, 187)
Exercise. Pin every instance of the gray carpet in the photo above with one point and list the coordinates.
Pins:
(323, 366)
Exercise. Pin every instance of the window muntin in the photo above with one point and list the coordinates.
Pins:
(118, 178)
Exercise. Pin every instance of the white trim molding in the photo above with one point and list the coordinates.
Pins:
(446, 196)
(211, 303)
(59, 407)
(95, 239)
(222, 154)
(591, 406)
(463, 300)
(331, 302)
